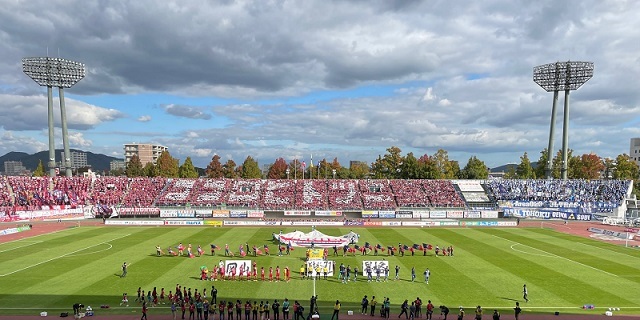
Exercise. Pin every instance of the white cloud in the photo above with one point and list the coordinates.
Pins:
(144, 118)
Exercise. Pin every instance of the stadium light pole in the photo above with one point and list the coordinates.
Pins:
(561, 76)
(61, 73)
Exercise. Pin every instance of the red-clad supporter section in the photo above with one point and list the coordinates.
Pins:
(278, 194)
(376, 194)
(442, 193)
(177, 192)
(209, 192)
(311, 195)
(344, 195)
(109, 190)
(104, 193)
(245, 193)
(410, 193)
(143, 191)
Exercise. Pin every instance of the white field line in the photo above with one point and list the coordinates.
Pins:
(28, 238)
(551, 255)
(61, 256)
(22, 246)
(84, 254)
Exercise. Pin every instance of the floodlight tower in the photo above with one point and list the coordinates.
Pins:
(557, 76)
(61, 73)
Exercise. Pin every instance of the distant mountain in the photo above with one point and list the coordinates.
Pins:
(98, 162)
(505, 167)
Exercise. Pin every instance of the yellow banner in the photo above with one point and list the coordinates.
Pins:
(315, 253)
(213, 223)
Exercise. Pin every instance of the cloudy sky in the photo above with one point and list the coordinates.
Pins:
(345, 79)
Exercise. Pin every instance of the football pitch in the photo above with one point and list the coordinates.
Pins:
(489, 267)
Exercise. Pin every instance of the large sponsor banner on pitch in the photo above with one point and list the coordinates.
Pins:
(374, 265)
(237, 267)
(312, 265)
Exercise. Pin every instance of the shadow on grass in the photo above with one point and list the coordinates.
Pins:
(510, 299)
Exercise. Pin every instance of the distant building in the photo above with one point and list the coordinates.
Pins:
(14, 168)
(146, 152)
(117, 165)
(634, 150)
(78, 159)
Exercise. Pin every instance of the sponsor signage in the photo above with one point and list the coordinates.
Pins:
(220, 213)
(212, 223)
(386, 214)
(176, 213)
(438, 214)
(455, 214)
(547, 214)
(183, 222)
(472, 214)
(255, 214)
(621, 235)
(317, 223)
(238, 214)
(421, 214)
(297, 213)
(138, 211)
(243, 223)
(328, 213)
(353, 223)
(313, 266)
(404, 215)
(203, 213)
(120, 222)
(373, 223)
(370, 214)
(489, 214)
(375, 266)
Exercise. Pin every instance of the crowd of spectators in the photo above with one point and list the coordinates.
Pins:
(410, 193)
(376, 194)
(311, 195)
(344, 195)
(143, 191)
(285, 194)
(594, 195)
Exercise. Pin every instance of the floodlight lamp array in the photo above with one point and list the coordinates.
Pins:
(561, 76)
(53, 72)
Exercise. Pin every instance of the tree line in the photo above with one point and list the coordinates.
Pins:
(392, 165)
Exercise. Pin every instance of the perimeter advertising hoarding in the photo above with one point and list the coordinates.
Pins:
(489, 214)
(386, 214)
(203, 213)
(177, 213)
(472, 214)
(255, 214)
(328, 213)
(455, 214)
(438, 214)
(220, 213)
(374, 265)
(421, 214)
(404, 214)
(238, 214)
(297, 213)
(370, 214)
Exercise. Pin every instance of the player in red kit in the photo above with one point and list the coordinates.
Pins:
(262, 273)
(270, 274)
(277, 273)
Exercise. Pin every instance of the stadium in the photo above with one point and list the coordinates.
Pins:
(548, 234)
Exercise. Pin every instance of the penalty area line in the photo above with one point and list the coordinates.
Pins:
(22, 246)
(61, 256)
(552, 255)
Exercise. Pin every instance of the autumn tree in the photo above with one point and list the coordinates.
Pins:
(524, 169)
(150, 170)
(556, 171)
(625, 168)
(278, 169)
(410, 168)
(187, 169)
(358, 170)
(475, 169)
(134, 167)
(229, 169)
(39, 172)
(447, 169)
(250, 169)
(214, 169)
(589, 166)
(389, 165)
(427, 167)
(168, 166)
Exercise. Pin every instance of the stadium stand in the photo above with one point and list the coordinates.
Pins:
(376, 194)
(344, 195)
(311, 195)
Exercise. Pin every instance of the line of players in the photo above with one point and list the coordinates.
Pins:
(181, 249)
(220, 273)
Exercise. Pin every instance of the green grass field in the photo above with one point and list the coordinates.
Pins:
(562, 272)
